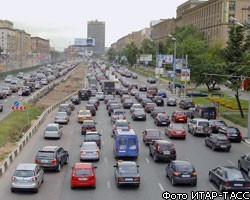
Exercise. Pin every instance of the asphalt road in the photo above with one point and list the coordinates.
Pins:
(56, 186)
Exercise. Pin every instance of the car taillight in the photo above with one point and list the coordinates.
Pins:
(228, 134)
(227, 184)
(195, 174)
(137, 179)
(34, 179)
(83, 128)
(121, 179)
(115, 128)
(13, 178)
(82, 153)
(158, 147)
(176, 174)
(66, 118)
(56, 118)
(37, 160)
(97, 153)
(247, 184)
(53, 161)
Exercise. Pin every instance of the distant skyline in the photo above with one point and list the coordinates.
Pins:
(62, 21)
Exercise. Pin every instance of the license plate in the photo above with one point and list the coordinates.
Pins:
(129, 179)
(44, 161)
(166, 152)
(185, 176)
(238, 185)
(159, 101)
(82, 179)
(164, 122)
(122, 151)
(178, 132)
(140, 117)
(223, 146)
(181, 119)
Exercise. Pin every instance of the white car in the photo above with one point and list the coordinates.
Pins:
(100, 96)
(199, 126)
(53, 131)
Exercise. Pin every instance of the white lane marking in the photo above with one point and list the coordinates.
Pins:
(161, 187)
(147, 160)
(108, 184)
(213, 188)
(231, 162)
(105, 160)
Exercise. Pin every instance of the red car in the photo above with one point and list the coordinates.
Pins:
(177, 131)
(179, 116)
(83, 175)
(149, 107)
(149, 135)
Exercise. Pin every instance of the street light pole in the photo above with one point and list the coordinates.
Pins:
(174, 40)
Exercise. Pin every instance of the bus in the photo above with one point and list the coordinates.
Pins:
(205, 111)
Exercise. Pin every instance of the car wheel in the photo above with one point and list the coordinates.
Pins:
(72, 187)
(239, 166)
(206, 143)
(12, 190)
(94, 186)
(36, 190)
(213, 147)
(59, 167)
(67, 160)
(118, 185)
(42, 180)
(173, 181)
(228, 149)
(150, 153)
(210, 177)
(194, 183)
(221, 189)
(155, 158)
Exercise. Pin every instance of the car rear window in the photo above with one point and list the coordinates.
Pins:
(153, 134)
(232, 130)
(119, 113)
(234, 174)
(203, 123)
(184, 168)
(166, 147)
(92, 137)
(88, 124)
(127, 169)
(89, 147)
(45, 154)
(80, 172)
(51, 128)
(24, 173)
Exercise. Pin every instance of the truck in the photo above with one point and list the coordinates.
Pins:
(108, 87)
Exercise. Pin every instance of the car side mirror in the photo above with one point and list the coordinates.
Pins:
(115, 166)
(137, 165)
(244, 156)
(95, 167)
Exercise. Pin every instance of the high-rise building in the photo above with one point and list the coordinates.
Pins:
(96, 30)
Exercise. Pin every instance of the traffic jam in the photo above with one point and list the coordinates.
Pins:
(124, 101)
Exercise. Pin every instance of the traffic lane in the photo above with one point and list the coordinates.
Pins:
(52, 180)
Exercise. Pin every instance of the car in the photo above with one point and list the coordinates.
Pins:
(112, 101)
(118, 114)
(53, 131)
(179, 116)
(215, 124)
(162, 93)
(31, 86)
(135, 106)
(162, 150)
(88, 125)
(83, 115)
(3, 94)
(232, 133)
(13, 88)
(91, 108)
(65, 107)
(108, 97)
(8, 78)
(127, 173)
(190, 113)
(133, 92)
(133, 86)
(140, 96)
(125, 96)
(146, 100)
(27, 176)
(151, 80)
(83, 175)
(134, 76)
(196, 94)
(176, 131)
(75, 100)
(149, 107)
(151, 93)
(127, 103)
(121, 124)
(181, 172)
(23, 91)
(61, 118)
(112, 107)
(89, 151)
(93, 136)
(218, 142)
(94, 102)
(52, 157)
(123, 91)
(149, 135)
(158, 100)
(84, 93)
(139, 114)
(186, 103)
(229, 178)
(44, 81)
(157, 110)
(162, 119)
(100, 96)
(199, 126)
(143, 88)
(171, 101)
(244, 163)
(38, 85)
(7, 91)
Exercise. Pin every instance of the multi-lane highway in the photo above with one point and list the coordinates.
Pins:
(56, 185)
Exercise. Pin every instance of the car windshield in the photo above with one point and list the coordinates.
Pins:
(119, 113)
(80, 172)
(89, 147)
(137, 106)
(128, 101)
(51, 128)
(232, 130)
(45, 154)
(234, 174)
(177, 127)
(24, 173)
(222, 138)
(127, 169)
(180, 113)
(156, 109)
(220, 123)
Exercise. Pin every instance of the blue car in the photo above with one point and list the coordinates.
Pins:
(162, 93)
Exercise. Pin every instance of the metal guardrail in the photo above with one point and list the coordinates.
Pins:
(20, 145)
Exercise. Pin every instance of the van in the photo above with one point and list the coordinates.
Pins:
(126, 143)
(205, 111)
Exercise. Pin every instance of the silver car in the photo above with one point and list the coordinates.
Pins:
(89, 151)
(53, 131)
(61, 118)
(7, 90)
(27, 176)
(100, 96)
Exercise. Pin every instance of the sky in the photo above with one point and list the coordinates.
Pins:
(61, 21)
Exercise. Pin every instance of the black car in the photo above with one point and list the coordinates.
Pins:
(143, 88)
(158, 100)
(215, 124)
(244, 163)
(31, 86)
(232, 133)
(88, 125)
(181, 172)
(145, 100)
(113, 107)
(186, 103)
(91, 108)
(24, 91)
(196, 94)
(1, 107)
(84, 94)
(127, 173)
(229, 178)
(127, 103)
(151, 80)
(162, 119)
(218, 141)
(139, 114)
(190, 113)
(75, 100)
(52, 157)
(162, 150)
(157, 110)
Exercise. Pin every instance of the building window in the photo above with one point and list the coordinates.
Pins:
(231, 21)
(231, 5)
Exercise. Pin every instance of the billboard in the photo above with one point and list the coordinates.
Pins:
(185, 74)
(84, 42)
(166, 59)
(146, 57)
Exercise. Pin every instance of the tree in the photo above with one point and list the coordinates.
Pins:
(131, 52)
(111, 54)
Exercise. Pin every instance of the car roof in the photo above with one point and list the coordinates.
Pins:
(52, 124)
(26, 166)
(182, 162)
(152, 130)
(163, 142)
(83, 165)
(88, 121)
(200, 119)
(89, 144)
(126, 163)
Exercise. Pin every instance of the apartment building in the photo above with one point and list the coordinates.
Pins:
(40, 45)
